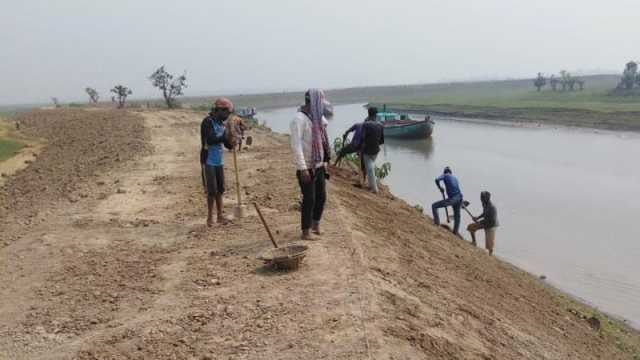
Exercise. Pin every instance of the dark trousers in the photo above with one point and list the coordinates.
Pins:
(350, 148)
(314, 195)
(456, 203)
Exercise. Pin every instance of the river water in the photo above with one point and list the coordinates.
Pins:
(567, 199)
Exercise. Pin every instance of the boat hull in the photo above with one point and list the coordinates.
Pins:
(408, 129)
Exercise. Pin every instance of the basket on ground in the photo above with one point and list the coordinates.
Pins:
(287, 257)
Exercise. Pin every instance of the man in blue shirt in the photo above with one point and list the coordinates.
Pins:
(213, 135)
(454, 198)
(355, 145)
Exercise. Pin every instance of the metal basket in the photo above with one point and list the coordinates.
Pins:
(287, 257)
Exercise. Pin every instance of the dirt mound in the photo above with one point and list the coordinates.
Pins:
(78, 144)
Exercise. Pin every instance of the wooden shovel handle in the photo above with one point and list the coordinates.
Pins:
(265, 225)
(468, 212)
(237, 173)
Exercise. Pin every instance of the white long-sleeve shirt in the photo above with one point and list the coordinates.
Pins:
(301, 141)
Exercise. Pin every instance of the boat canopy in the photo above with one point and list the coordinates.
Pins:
(383, 116)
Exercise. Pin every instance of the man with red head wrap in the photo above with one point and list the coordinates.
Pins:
(213, 134)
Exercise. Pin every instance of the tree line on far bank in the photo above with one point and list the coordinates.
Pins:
(170, 86)
(630, 77)
(629, 81)
(564, 82)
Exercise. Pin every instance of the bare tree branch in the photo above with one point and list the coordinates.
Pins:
(171, 88)
(121, 93)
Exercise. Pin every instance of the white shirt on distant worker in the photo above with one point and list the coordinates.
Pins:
(301, 146)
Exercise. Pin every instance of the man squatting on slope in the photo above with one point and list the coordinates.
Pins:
(488, 221)
(311, 152)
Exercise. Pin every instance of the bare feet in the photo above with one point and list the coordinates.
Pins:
(223, 220)
(474, 243)
(306, 235)
(209, 222)
(316, 229)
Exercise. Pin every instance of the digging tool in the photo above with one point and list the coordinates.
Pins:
(446, 208)
(237, 211)
(265, 225)
(464, 206)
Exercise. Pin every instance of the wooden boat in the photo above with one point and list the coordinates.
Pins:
(403, 127)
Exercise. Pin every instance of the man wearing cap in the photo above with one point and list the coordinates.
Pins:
(311, 152)
(454, 198)
(213, 135)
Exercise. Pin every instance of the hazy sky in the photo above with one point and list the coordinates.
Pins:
(57, 48)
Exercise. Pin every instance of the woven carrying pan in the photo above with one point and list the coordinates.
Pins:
(287, 257)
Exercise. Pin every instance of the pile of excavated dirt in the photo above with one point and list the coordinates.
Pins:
(132, 272)
(78, 144)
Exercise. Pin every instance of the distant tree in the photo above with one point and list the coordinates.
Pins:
(580, 83)
(564, 79)
(571, 82)
(539, 82)
(553, 81)
(93, 95)
(630, 75)
(55, 101)
(171, 88)
(121, 94)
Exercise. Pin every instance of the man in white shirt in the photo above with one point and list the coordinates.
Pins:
(311, 153)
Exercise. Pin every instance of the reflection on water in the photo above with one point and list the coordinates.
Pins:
(567, 198)
(420, 147)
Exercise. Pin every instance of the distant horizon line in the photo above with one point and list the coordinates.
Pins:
(237, 92)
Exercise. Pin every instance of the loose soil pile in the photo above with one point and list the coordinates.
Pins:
(78, 144)
(130, 271)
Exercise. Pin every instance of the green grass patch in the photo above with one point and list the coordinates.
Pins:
(520, 94)
(591, 101)
(7, 114)
(9, 144)
(8, 148)
(612, 330)
(518, 100)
